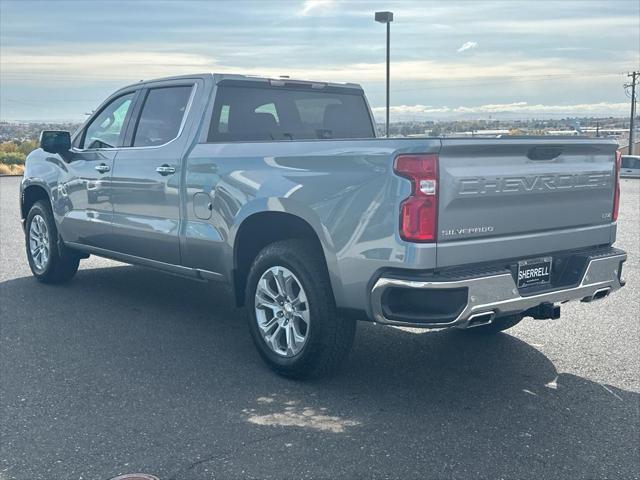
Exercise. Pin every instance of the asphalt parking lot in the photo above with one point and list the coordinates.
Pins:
(129, 370)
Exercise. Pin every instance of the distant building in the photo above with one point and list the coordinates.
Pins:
(563, 132)
(480, 133)
(606, 132)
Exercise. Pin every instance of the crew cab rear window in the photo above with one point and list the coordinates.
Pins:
(162, 115)
(247, 113)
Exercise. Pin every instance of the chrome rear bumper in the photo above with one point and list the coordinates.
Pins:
(497, 295)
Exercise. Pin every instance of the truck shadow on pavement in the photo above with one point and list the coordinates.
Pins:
(160, 373)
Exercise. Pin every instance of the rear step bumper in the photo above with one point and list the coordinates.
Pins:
(473, 301)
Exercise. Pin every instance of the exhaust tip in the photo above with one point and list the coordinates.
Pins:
(598, 295)
(602, 293)
(479, 319)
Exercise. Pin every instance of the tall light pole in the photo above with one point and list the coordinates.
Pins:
(386, 17)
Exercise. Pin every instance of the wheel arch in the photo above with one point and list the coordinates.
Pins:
(263, 228)
(30, 195)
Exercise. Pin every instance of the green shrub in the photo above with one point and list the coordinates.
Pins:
(12, 158)
(8, 147)
(27, 146)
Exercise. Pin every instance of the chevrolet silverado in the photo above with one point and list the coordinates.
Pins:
(281, 189)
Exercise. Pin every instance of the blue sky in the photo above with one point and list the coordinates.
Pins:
(453, 59)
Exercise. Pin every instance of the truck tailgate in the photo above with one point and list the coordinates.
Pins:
(505, 198)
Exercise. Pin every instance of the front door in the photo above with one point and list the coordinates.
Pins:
(86, 189)
(146, 175)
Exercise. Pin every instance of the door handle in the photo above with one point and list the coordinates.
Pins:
(102, 168)
(165, 169)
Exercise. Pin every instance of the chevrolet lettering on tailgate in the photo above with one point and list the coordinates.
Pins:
(475, 186)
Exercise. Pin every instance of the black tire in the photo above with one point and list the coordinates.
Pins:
(330, 336)
(58, 268)
(498, 325)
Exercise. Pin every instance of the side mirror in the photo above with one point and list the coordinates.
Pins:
(55, 141)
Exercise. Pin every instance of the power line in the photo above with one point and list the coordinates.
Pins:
(634, 81)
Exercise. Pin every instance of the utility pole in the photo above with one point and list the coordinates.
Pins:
(634, 80)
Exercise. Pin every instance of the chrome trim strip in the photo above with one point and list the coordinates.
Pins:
(499, 293)
(193, 273)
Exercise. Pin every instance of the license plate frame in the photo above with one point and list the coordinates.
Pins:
(534, 271)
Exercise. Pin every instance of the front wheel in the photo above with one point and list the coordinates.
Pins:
(292, 313)
(45, 259)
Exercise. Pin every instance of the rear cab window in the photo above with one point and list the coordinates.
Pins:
(270, 113)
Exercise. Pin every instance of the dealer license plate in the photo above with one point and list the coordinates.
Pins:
(534, 272)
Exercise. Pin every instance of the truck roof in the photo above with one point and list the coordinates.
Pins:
(280, 81)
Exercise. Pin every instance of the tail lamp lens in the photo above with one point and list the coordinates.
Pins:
(419, 211)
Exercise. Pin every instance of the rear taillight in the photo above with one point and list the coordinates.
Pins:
(419, 211)
(616, 191)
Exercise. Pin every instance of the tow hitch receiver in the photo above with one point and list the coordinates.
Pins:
(544, 311)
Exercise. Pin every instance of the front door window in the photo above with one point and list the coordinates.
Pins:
(107, 128)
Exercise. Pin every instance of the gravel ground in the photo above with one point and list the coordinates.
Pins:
(129, 370)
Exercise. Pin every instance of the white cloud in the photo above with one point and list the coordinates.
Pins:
(515, 109)
(311, 5)
(134, 65)
(569, 25)
(467, 46)
(101, 66)
(20, 67)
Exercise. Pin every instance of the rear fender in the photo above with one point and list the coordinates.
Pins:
(308, 215)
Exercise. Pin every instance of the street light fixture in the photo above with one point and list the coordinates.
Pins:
(386, 17)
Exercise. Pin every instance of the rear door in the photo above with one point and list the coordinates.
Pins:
(146, 174)
(504, 198)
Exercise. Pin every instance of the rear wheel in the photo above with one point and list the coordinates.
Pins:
(292, 314)
(498, 325)
(45, 259)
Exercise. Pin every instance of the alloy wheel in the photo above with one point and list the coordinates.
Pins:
(282, 311)
(39, 243)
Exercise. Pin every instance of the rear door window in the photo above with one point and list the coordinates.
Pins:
(264, 113)
(162, 115)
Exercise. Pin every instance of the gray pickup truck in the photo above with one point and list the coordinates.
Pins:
(281, 189)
